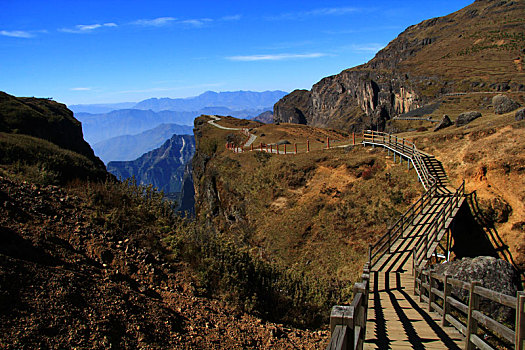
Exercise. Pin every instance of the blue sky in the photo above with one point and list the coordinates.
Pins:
(117, 51)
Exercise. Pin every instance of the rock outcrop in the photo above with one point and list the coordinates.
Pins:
(47, 120)
(520, 114)
(444, 123)
(352, 100)
(494, 274)
(292, 108)
(496, 210)
(503, 104)
(467, 117)
(265, 117)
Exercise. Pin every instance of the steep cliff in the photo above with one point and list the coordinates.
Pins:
(163, 167)
(44, 119)
(41, 141)
(477, 48)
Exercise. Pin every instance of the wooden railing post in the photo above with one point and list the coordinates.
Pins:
(414, 261)
(370, 255)
(446, 306)
(415, 282)
(421, 277)
(344, 316)
(472, 324)
(520, 321)
(307, 145)
(360, 320)
(430, 296)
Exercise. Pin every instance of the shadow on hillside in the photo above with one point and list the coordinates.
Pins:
(475, 235)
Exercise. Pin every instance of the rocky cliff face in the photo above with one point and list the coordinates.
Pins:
(293, 108)
(205, 181)
(163, 167)
(352, 100)
(47, 120)
(423, 63)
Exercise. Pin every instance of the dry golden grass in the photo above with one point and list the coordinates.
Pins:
(489, 153)
(312, 212)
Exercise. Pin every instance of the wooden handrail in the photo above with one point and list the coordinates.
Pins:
(404, 148)
(348, 323)
(406, 219)
(439, 222)
(424, 284)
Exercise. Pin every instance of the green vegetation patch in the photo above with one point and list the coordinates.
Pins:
(43, 162)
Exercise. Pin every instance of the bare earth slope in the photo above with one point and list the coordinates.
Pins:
(69, 278)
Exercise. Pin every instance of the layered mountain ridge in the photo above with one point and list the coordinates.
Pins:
(164, 167)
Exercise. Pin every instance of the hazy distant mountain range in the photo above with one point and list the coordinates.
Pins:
(125, 131)
(234, 100)
(99, 127)
(130, 147)
(100, 107)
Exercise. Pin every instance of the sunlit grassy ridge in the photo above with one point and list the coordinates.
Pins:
(40, 161)
(310, 214)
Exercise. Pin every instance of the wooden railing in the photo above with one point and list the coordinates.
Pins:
(435, 289)
(404, 148)
(440, 222)
(348, 323)
(384, 243)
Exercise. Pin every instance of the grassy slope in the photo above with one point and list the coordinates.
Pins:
(481, 43)
(313, 213)
(43, 162)
(489, 154)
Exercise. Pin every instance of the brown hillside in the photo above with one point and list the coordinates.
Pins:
(311, 213)
(79, 269)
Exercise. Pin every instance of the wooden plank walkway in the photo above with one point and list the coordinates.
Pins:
(397, 320)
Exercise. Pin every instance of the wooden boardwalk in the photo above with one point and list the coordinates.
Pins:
(396, 317)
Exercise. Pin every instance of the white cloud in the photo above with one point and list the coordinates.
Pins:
(16, 33)
(80, 89)
(87, 28)
(196, 22)
(156, 22)
(231, 18)
(276, 57)
(331, 11)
